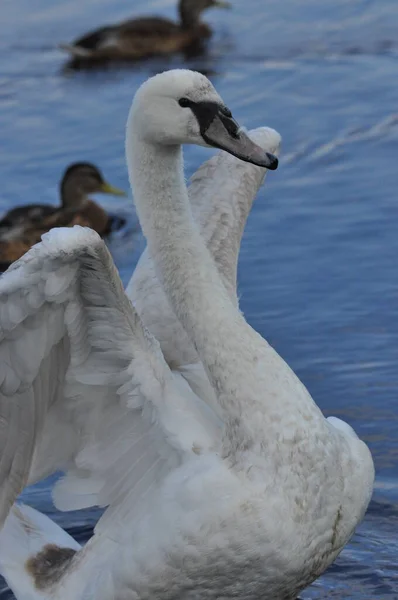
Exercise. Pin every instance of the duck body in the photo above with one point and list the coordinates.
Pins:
(44, 217)
(144, 37)
(33, 213)
(140, 38)
(22, 227)
(94, 216)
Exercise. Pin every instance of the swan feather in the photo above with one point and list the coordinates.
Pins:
(111, 415)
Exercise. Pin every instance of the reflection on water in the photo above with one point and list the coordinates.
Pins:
(318, 273)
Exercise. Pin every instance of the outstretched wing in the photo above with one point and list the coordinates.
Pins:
(83, 386)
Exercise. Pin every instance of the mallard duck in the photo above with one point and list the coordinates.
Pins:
(246, 493)
(22, 227)
(144, 37)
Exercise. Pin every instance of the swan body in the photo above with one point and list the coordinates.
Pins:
(250, 493)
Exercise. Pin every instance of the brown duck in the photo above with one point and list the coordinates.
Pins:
(144, 37)
(23, 227)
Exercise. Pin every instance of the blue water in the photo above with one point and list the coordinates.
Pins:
(318, 274)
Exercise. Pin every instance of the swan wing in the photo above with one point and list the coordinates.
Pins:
(83, 385)
(221, 193)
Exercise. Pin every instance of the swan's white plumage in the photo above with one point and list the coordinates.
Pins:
(244, 492)
(26, 532)
(108, 408)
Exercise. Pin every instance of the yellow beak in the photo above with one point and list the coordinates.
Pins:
(107, 188)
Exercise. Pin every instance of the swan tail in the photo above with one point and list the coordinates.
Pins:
(34, 553)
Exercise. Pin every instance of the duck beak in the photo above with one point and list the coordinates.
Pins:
(107, 188)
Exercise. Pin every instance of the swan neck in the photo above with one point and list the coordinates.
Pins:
(186, 269)
(160, 194)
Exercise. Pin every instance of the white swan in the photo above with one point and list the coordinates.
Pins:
(251, 498)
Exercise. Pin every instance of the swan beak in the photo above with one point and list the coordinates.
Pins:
(220, 130)
(107, 188)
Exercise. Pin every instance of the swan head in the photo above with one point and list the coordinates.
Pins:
(182, 107)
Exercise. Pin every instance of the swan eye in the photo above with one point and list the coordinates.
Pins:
(184, 102)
